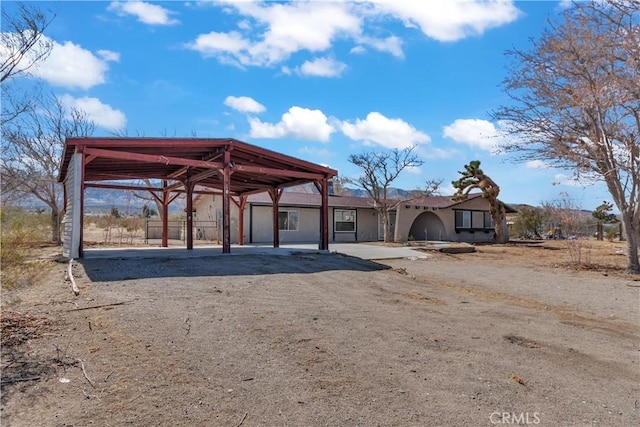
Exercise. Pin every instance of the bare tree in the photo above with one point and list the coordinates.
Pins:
(340, 186)
(379, 170)
(32, 147)
(23, 42)
(22, 46)
(576, 102)
(474, 178)
(565, 217)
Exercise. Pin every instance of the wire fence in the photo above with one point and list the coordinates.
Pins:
(177, 230)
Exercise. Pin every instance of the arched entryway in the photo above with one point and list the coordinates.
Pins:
(427, 226)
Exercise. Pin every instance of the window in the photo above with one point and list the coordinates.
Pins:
(345, 220)
(288, 220)
(463, 219)
(488, 220)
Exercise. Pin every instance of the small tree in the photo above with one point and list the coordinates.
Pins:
(379, 170)
(604, 216)
(148, 212)
(474, 178)
(529, 222)
(32, 148)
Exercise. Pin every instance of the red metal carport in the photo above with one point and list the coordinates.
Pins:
(233, 168)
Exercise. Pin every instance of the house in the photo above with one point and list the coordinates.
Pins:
(351, 219)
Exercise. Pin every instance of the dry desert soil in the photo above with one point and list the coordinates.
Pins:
(510, 334)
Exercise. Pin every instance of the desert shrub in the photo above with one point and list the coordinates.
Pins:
(579, 252)
(529, 223)
(119, 230)
(611, 233)
(21, 232)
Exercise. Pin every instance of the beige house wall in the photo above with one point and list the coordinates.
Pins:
(308, 225)
(258, 222)
(444, 230)
(207, 206)
(411, 223)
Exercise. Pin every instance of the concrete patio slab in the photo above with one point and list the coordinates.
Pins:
(359, 250)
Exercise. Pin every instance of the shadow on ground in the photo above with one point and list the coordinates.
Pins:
(117, 269)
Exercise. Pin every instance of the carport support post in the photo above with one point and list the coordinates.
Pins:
(226, 201)
(324, 216)
(241, 204)
(189, 186)
(323, 188)
(165, 214)
(275, 194)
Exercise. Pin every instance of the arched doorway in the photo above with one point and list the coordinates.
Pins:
(427, 226)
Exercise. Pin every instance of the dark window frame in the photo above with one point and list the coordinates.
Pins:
(354, 212)
(459, 220)
(288, 222)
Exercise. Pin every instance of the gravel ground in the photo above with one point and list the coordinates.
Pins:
(507, 335)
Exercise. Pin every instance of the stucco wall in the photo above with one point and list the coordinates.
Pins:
(406, 217)
(258, 221)
(308, 225)
(367, 225)
(206, 207)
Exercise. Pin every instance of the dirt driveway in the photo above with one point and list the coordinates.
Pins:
(506, 335)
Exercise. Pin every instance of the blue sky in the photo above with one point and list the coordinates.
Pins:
(316, 80)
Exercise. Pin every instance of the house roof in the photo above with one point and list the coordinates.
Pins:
(199, 160)
(442, 202)
(439, 202)
(311, 200)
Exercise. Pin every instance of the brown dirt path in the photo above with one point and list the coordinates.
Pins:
(326, 339)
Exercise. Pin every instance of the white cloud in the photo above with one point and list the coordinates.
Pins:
(230, 45)
(389, 133)
(316, 153)
(392, 45)
(109, 55)
(298, 122)
(68, 65)
(244, 104)
(574, 180)
(476, 133)
(147, 13)
(414, 170)
(73, 67)
(270, 32)
(566, 180)
(322, 67)
(447, 189)
(447, 20)
(437, 153)
(358, 50)
(536, 164)
(102, 115)
(286, 28)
